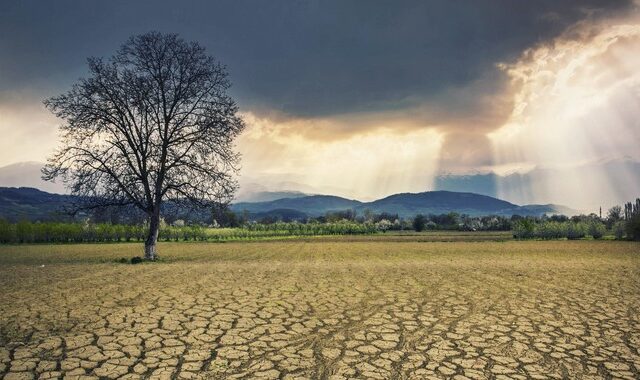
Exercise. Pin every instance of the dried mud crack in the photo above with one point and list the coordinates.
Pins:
(323, 310)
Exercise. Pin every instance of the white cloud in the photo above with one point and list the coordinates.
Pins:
(577, 100)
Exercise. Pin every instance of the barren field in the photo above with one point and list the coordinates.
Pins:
(323, 309)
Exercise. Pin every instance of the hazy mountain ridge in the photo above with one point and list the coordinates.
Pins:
(405, 205)
(541, 184)
(437, 202)
(31, 204)
(311, 205)
(34, 204)
(538, 186)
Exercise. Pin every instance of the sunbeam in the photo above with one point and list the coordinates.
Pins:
(371, 164)
(576, 103)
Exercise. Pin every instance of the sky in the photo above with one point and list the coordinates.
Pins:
(368, 98)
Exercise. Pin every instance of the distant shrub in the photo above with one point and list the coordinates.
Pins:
(551, 230)
(597, 230)
(529, 229)
(7, 232)
(383, 225)
(524, 229)
(419, 222)
(632, 219)
(24, 232)
(633, 228)
(619, 230)
(576, 230)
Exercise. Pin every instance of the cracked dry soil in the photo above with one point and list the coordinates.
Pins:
(323, 310)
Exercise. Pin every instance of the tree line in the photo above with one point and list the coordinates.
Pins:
(622, 225)
(237, 226)
(26, 232)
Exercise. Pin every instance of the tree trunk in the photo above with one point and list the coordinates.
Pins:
(150, 252)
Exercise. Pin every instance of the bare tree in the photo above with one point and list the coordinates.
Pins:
(152, 123)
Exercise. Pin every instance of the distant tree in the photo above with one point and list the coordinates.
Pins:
(615, 213)
(271, 219)
(558, 218)
(576, 230)
(368, 215)
(320, 219)
(7, 231)
(152, 123)
(223, 216)
(385, 216)
(596, 229)
(336, 216)
(524, 228)
(632, 219)
(383, 225)
(619, 230)
(446, 221)
(419, 222)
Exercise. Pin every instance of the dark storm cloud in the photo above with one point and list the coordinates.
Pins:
(303, 58)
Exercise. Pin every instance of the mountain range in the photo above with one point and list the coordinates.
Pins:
(609, 182)
(18, 203)
(33, 204)
(405, 205)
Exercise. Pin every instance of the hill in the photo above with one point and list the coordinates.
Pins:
(441, 202)
(17, 203)
(517, 187)
(33, 204)
(312, 205)
(405, 205)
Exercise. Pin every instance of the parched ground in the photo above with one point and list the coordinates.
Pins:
(321, 309)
